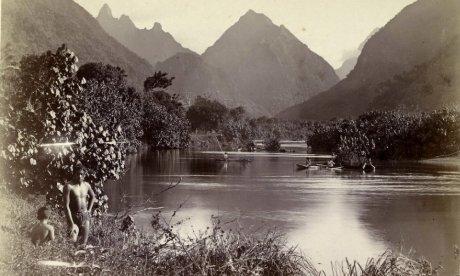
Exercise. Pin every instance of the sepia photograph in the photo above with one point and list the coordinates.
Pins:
(230, 137)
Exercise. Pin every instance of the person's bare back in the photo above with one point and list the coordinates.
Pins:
(78, 208)
(42, 231)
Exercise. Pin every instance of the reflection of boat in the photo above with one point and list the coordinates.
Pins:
(243, 160)
(302, 166)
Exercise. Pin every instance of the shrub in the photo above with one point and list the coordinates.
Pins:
(41, 96)
(110, 102)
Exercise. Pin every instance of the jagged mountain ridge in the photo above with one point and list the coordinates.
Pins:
(33, 27)
(153, 44)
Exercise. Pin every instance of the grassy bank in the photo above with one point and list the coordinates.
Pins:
(213, 252)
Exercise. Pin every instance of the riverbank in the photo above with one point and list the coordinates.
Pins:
(213, 252)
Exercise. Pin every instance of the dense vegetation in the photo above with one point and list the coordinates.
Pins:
(164, 122)
(41, 96)
(237, 130)
(390, 135)
(109, 100)
(54, 117)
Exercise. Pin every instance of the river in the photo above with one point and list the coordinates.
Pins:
(329, 215)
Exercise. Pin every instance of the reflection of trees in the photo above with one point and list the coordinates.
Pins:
(428, 224)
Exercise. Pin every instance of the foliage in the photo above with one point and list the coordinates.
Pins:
(206, 114)
(165, 124)
(41, 96)
(110, 102)
(159, 80)
(237, 127)
(390, 135)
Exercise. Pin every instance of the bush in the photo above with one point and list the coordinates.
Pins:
(110, 102)
(41, 96)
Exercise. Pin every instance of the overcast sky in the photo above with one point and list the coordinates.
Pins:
(331, 28)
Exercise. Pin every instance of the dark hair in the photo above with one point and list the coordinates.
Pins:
(79, 169)
(43, 213)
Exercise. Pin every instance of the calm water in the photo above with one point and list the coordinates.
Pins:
(329, 215)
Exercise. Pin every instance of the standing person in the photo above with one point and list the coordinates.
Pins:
(42, 231)
(79, 199)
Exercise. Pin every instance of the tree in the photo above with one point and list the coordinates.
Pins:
(109, 100)
(159, 80)
(206, 114)
(164, 122)
(41, 96)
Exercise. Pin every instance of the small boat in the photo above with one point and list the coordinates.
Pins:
(313, 168)
(336, 169)
(302, 166)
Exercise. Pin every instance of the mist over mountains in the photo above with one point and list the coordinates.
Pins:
(350, 62)
(424, 34)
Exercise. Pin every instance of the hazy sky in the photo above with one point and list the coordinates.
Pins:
(331, 28)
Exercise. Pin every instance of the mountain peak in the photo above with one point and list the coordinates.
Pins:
(252, 16)
(157, 27)
(105, 11)
(125, 20)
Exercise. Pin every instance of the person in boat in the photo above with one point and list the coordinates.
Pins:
(42, 232)
(330, 163)
(225, 156)
(308, 162)
(368, 166)
(79, 199)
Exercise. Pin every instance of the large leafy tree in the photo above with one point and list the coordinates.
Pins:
(206, 114)
(164, 122)
(111, 103)
(45, 132)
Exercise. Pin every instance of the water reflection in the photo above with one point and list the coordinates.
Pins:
(329, 215)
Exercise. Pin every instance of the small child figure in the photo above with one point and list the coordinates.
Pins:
(42, 231)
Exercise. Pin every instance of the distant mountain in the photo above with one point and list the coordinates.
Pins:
(267, 66)
(431, 85)
(419, 34)
(352, 59)
(154, 44)
(37, 26)
(193, 77)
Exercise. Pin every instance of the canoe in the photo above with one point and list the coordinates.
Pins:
(313, 167)
(337, 169)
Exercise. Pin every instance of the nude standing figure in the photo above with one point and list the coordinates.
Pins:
(79, 199)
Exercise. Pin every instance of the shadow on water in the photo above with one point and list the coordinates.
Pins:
(329, 215)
